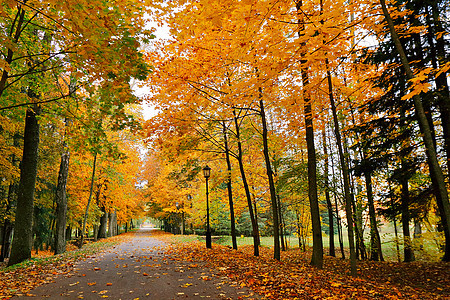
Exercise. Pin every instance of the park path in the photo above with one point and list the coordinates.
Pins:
(139, 269)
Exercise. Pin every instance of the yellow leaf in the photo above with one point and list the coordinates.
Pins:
(418, 88)
(335, 284)
(5, 66)
(443, 69)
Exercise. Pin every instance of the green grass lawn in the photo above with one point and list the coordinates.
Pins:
(429, 251)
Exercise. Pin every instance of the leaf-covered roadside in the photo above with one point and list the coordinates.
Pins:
(294, 278)
(42, 268)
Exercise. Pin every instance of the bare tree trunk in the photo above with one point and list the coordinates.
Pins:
(83, 229)
(110, 224)
(317, 255)
(273, 196)
(255, 211)
(418, 233)
(336, 207)
(61, 204)
(69, 233)
(438, 56)
(327, 197)
(299, 232)
(113, 224)
(8, 227)
(255, 231)
(348, 200)
(22, 240)
(229, 188)
(61, 201)
(395, 226)
(280, 218)
(375, 240)
(407, 245)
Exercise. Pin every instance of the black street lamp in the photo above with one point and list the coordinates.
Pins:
(207, 173)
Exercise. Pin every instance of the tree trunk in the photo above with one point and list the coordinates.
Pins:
(15, 38)
(299, 233)
(327, 197)
(438, 56)
(229, 188)
(68, 233)
(22, 240)
(418, 233)
(407, 245)
(255, 210)
(397, 247)
(273, 196)
(336, 207)
(255, 231)
(8, 230)
(317, 255)
(358, 222)
(183, 225)
(114, 223)
(110, 225)
(95, 233)
(436, 173)
(375, 240)
(348, 200)
(8, 226)
(61, 201)
(83, 229)
(280, 218)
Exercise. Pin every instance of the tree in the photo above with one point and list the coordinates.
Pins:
(40, 48)
(22, 241)
(436, 173)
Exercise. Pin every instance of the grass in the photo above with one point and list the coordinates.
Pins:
(429, 251)
(43, 258)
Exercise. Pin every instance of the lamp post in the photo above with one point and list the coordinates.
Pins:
(207, 173)
(176, 218)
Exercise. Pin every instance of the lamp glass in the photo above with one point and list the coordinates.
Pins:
(206, 171)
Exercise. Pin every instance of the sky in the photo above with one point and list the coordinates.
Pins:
(148, 110)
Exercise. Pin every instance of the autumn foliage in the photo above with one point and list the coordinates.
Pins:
(286, 87)
(294, 278)
(324, 121)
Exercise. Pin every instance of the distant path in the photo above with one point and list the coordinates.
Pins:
(137, 269)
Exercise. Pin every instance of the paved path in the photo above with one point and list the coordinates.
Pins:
(138, 269)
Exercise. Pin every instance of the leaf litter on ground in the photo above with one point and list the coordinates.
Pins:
(290, 278)
(44, 267)
(294, 278)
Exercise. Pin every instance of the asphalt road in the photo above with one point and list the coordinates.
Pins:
(139, 269)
